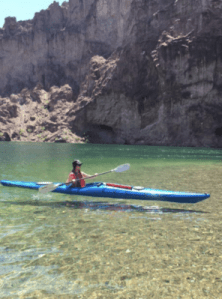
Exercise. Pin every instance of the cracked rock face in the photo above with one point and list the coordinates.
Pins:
(129, 72)
(37, 115)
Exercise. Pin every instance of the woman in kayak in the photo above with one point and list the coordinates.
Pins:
(76, 173)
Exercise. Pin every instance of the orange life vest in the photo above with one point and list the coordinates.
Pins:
(74, 176)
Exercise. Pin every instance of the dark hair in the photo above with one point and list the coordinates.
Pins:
(76, 163)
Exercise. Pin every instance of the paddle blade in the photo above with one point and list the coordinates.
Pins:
(48, 188)
(122, 168)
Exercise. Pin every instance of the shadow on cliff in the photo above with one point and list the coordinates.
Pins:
(105, 206)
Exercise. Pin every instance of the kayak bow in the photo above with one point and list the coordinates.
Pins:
(100, 189)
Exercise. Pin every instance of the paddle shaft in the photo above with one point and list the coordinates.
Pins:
(51, 187)
(89, 177)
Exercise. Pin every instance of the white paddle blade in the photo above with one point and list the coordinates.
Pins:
(122, 168)
(48, 188)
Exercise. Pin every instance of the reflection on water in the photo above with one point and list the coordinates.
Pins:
(129, 208)
(98, 205)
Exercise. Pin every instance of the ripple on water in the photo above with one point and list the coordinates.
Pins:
(24, 281)
(21, 273)
(113, 249)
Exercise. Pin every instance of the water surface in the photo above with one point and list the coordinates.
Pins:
(62, 246)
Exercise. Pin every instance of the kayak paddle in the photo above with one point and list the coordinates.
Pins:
(51, 187)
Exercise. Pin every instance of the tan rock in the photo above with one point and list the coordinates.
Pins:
(38, 94)
(32, 120)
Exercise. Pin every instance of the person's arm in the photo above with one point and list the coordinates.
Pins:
(85, 175)
(70, 179)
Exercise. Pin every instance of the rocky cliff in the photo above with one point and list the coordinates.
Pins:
(120, 71)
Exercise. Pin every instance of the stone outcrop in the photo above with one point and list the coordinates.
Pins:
(37, 116)
(128, 71)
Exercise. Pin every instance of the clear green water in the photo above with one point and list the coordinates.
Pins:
(51, 248)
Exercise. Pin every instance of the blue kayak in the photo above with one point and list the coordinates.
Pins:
(100, 189)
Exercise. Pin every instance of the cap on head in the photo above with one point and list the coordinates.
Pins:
(76, 163)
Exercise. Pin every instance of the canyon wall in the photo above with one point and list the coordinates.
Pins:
(120, 71)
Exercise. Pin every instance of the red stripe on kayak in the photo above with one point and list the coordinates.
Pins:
(119, 186)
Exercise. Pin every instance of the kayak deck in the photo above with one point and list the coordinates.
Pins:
(100, 189)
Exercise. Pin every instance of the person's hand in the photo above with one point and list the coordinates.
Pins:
(74, 181)
(94, 175)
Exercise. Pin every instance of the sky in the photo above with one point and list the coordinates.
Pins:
(22, 9)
